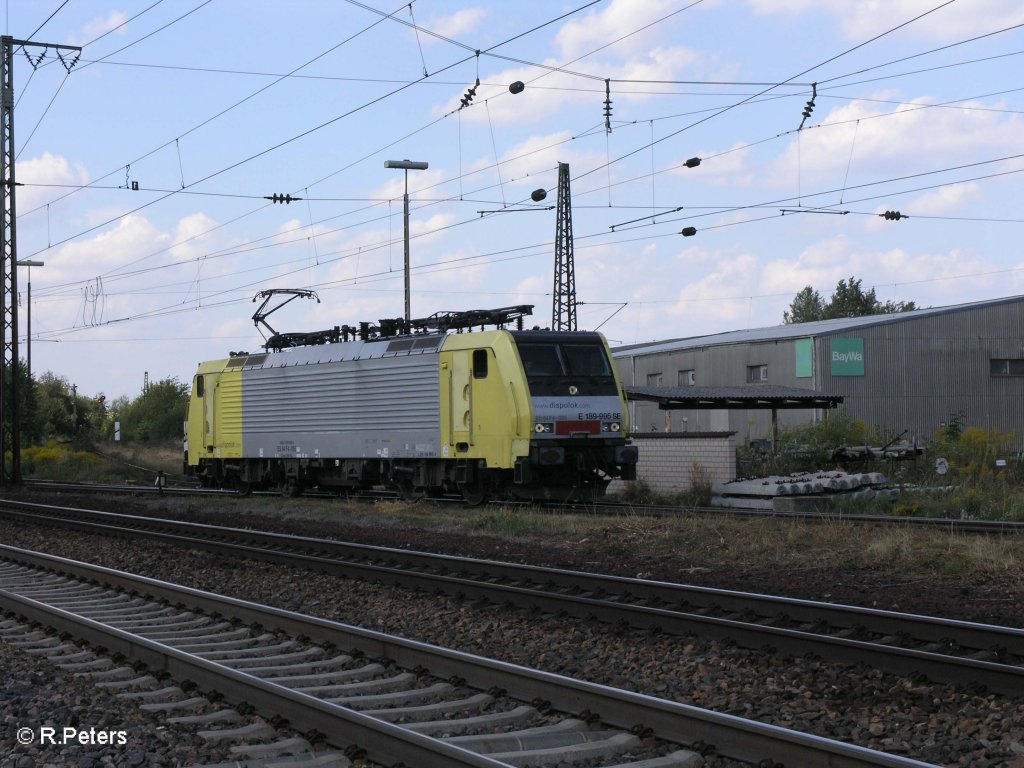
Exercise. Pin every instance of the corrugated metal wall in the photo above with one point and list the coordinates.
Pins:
(917, 373)
(717, 366)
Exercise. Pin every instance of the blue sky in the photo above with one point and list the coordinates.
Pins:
(210, 105)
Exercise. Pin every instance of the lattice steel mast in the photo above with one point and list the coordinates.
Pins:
(563, 306)
(10, 411)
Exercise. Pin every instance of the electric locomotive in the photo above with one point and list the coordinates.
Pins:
(428, 406)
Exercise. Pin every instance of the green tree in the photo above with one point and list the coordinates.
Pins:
(26, 398)
(848, 300)
(60, 413)
(55, 408)
(807, 306)
(156, 415)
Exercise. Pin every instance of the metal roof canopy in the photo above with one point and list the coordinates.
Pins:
(754, 396)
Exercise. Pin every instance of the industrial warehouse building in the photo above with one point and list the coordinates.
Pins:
(908, 371)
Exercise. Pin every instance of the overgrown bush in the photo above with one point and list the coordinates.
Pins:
(804, 448)
(698, 494)
(55, 461)
(972, 452)
(982, 475)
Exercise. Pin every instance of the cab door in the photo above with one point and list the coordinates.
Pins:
(461, 401)
(209, 409)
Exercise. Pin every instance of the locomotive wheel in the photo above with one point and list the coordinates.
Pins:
(475, 494)
(291, 488)
(242, 487)
(408, 492)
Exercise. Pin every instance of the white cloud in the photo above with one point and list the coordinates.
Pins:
(101, 25)
(895, 273)
(885, 138)
(646, 55)
(47, 169)
(189, 236)
(459, 23)
(430, 229)
(714, 300)
(132, 236)
(580, 36)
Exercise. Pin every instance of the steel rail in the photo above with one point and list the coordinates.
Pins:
(378, 738)
(746, 618)
(731, 736)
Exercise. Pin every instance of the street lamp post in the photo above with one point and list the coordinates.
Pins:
(406, 165)
(28, 336)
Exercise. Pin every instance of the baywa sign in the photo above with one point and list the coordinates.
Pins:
(847, 356)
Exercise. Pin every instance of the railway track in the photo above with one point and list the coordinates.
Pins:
(397, 699)
(944, 650)
(988, 527)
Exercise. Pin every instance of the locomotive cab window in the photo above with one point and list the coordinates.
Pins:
(586, 360)
(479, 363)
(199, 386)
(541, 360)
(554, 363)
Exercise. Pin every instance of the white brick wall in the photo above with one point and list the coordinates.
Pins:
(667, 461)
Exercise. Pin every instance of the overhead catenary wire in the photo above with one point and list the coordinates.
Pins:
(585, 192)
(589, 53)
(223, 111)
(539, 249)
(308, 131)
(48, 20)
(777, 85)
(476, 52)
(735, 148)
(585, 6)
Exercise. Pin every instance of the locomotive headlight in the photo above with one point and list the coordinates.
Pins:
(610, 426)
(543, 428)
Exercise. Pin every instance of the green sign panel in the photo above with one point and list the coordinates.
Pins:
(804, 358)
(847, 357)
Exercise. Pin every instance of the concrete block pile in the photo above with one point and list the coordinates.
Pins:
(798, 492)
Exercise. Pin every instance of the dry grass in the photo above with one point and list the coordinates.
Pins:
(706, 540)
(695, 540)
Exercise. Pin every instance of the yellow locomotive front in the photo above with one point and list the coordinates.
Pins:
(533, 414)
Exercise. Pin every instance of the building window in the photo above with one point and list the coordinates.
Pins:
(653, 379)
(687, 378)
(1003, 366)
(757, 373)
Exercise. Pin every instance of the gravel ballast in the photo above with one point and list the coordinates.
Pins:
(934, 723)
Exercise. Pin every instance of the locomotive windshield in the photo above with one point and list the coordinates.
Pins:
(564, 360)
(553, 359)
